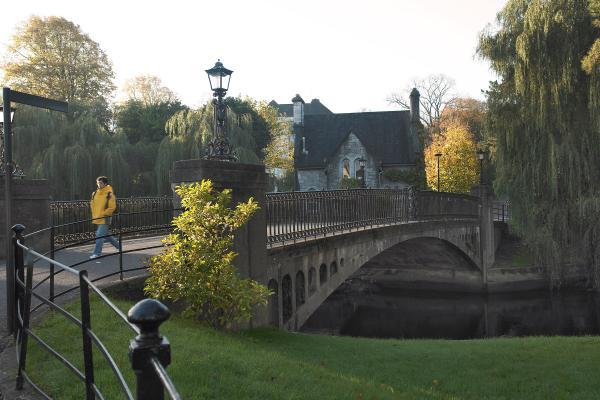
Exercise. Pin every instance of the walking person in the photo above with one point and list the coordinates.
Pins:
(103, 205)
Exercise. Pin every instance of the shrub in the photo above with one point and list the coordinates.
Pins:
(349, 183)
(198, 267)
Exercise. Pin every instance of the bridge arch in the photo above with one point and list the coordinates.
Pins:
(353, 250)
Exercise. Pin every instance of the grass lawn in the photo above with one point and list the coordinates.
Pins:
(270, 364)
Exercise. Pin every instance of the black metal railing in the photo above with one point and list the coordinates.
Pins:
(71, 219)
(500, 211)
(297, 215)
(149, 352)
(435, 205)
(300, 215)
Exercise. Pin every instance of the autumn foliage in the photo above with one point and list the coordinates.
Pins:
(459, 170)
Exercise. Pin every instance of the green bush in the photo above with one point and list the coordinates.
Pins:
(411, 176)
(349, 183)
(198, 266)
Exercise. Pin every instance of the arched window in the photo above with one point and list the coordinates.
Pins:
(356, 167)
(346, 168)
(322, 274)
(333, 268)
(286, 293)
(299, 289)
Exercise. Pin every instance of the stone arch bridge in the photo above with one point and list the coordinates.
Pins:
(316, 240)
(308, 260)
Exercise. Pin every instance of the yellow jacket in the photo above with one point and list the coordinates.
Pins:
(103, 204)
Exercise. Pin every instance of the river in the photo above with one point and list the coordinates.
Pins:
(368, 311)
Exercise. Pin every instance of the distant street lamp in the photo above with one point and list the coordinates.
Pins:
(361, 176)
(219, 147)
(438, 155)
(480, 157)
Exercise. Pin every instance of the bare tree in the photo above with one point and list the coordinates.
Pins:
(437, 92)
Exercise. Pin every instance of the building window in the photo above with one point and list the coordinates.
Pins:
(346, 168)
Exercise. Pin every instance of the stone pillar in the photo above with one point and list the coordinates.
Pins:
(245, 181)
(31, 207)
(486, 229)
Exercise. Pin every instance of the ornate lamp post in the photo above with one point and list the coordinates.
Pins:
(480, 157)
(438, 155)
(219, 147)
(361, 164)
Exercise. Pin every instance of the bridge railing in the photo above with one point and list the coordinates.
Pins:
(71, 219)
(501, 211)
(434, 205)
(300, 215)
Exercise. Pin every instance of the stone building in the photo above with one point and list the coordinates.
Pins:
(329, 147)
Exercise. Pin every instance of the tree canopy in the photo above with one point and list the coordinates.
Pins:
(544, 113)
(458, 168)
(149, 91)
(52, 57)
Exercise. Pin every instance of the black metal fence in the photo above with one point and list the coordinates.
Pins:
(435, 205)
(149, 352)
(71, 219)
(296, 215)
(501, 211)
(299, 215)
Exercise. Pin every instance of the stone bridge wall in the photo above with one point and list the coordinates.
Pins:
(305, 274)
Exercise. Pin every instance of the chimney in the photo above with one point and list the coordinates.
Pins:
(414, 106)
(298, 110)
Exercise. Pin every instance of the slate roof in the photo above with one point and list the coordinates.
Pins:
(386, 135)
(315, 107)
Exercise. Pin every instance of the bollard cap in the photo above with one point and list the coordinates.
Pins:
(148, 315)
(18, 229)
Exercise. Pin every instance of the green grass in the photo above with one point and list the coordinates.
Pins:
(270, 364)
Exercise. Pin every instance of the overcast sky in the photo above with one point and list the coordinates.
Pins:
(349, 54)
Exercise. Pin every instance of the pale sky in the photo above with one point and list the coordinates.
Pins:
(349, 54)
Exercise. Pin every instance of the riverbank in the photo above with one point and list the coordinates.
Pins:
(272, 364)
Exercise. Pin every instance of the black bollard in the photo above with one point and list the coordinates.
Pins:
(147, 315)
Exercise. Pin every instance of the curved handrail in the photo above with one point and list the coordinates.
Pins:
(87, 331)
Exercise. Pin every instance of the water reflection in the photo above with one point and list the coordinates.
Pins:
(455, 316)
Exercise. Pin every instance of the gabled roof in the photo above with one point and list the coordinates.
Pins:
(386, 135)
(315, 107)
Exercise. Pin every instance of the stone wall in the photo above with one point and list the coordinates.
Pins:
(329, 178)
(31, 207)
(312, 179)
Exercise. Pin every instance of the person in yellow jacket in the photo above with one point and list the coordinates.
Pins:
(103, 205)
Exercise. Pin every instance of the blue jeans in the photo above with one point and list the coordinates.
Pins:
(102, 230)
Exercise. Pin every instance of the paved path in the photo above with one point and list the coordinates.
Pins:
(96, 268)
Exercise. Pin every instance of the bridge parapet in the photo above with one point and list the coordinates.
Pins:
(436, 205)
(300, 215)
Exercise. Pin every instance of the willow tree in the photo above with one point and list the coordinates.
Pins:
(188, 134)
(544, 115)
(70, 154)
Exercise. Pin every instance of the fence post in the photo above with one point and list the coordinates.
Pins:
(22, 302)
(52, 255)
(86, 324)
(148, 315)
(18, 274)
(120, 227)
